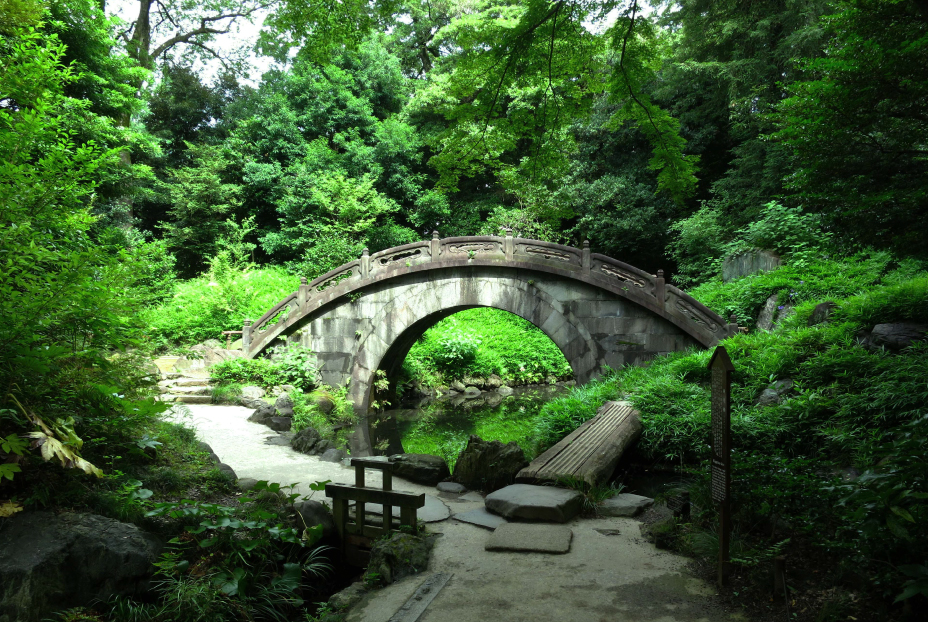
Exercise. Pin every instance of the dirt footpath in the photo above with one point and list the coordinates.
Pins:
(611, 574)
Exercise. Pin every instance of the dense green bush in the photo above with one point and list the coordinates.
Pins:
(563, 415)
(812, 280)
(222, 299)
(289, 365)
(481, 342)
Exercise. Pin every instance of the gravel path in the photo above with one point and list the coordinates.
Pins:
(615, 578)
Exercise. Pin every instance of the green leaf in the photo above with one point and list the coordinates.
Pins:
(902, 513)
(7, 470)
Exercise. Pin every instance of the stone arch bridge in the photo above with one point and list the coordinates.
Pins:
(365, 315)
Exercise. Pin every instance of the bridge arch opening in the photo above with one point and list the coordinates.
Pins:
(485, 346)
(400, 323)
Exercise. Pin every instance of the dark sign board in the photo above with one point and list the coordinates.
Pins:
(721, 367)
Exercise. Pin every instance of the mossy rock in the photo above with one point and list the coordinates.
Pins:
(398, 556)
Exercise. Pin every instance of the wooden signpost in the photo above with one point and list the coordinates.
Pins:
(721, 367)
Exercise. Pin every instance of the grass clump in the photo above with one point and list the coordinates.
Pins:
(481, 342)
(328, 410)
(293, 365)
(563, 415)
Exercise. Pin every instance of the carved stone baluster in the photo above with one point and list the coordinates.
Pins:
(365, 264)
(303, 293)
(659, 288)
(586, 257)
(246, 335)
(509, 246)
(436, 245)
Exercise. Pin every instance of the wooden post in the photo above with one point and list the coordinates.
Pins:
(721, 367)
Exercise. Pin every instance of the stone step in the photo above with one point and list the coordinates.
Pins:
(186, 399)
(193, 382)
(194, 399)
(196, 390)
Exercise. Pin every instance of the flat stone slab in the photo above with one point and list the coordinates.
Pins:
(524, 538)
(472, 496)
(481, 518)
(433, 511)
(624, 505)
(535, 503)
(453, 487)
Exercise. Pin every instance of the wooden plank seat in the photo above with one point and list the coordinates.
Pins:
(592, 451)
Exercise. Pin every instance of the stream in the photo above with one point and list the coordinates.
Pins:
(442, 426)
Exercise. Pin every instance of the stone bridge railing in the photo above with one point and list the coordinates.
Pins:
(648, 290)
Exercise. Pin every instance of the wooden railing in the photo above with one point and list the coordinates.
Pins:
(355, 534)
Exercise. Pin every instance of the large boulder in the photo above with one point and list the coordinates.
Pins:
(284, 405)
(420, 468)
(324, 403)
(488, 465)
(775, 393)
(822, 312)
(305, 441)
(333, 455)
(279, 424)
(253, 392)
(895, 336)
(261, 414)
(52, 562)
(399, 556)
(312, 513)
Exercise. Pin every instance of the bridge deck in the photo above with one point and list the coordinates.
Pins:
(590, 452)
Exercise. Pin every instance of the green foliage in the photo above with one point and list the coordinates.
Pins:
(232, 558)
(698, 246)
(853, 125)
(849, 407)
(440, 431)
(292, 365)
(222, 299)
(811, 280)
(477, 342)
(563, 415)
(335, 425)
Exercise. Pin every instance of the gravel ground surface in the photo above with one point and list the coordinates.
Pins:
(617, 577)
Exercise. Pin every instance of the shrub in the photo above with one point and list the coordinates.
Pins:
(480, 342)
(223, 299)
(292, 365)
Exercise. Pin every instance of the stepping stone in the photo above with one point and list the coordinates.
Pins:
(472, 496)
(624, 505)
(453, 487)
(530, 538)
(535, 503)
(481, 518)
(433, 511)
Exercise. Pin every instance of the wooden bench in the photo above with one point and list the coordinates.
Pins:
(355, 534)
(591, 452)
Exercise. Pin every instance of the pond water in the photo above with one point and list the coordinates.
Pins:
(441, 427)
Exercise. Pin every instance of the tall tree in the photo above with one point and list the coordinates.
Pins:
(857, 127)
